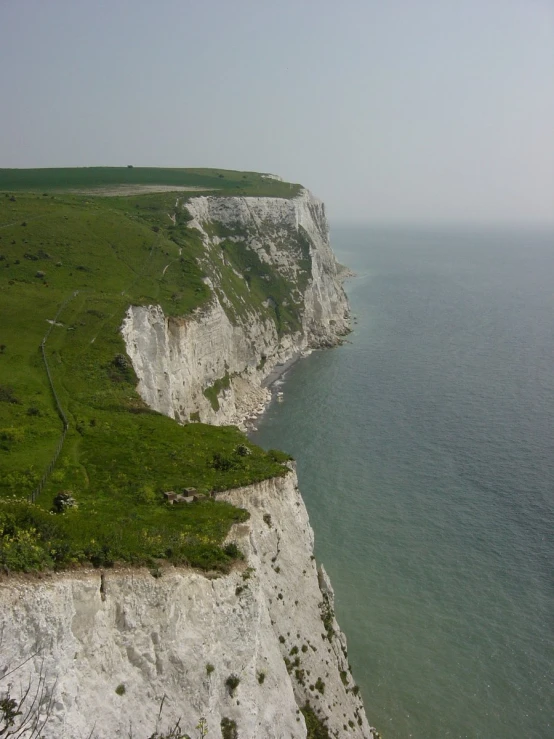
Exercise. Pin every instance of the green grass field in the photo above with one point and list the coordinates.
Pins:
(224, 181)
(118, 456)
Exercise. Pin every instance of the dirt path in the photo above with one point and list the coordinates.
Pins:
(137, 189)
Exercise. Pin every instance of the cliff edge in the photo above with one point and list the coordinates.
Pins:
(126, 653)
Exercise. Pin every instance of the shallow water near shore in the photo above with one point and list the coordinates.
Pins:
(425, 452)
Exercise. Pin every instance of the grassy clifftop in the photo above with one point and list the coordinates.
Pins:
(94, 256)
(224, 181)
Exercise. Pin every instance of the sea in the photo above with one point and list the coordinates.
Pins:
(425, 453)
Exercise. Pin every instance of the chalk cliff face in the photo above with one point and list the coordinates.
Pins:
(178, 638)
(124, 653)
(235, 342)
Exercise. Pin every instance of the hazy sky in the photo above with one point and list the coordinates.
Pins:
(411, 110)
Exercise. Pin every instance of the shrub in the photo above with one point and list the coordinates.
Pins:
(316, 728)
(63, 501)
(12, 434)
(120, 690)
(232, 683)
(120, 369)
(146, 494)
(20, 549)
(209, 668)
(327, 617)
(121, 361)
(231, 550)
(261, 677)
(228, 728)
(7, 395)
(222, 463)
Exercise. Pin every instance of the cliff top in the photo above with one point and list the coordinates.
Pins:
(134, 180)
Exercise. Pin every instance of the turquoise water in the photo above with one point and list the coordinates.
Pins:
(425, 452)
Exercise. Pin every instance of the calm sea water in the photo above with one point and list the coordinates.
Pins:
(425, 452)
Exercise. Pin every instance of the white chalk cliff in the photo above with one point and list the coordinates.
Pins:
(123, 653)
(270, 623)
(176, 359)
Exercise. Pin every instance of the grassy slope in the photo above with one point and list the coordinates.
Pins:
(118, 456)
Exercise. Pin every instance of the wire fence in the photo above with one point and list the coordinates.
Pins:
(36, 492)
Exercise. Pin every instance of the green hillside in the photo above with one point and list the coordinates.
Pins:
(93, 257)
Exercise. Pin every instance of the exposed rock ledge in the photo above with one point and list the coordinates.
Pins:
(156, 637)
(176, 359)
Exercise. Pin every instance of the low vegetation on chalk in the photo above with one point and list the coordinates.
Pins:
(249, 282)
(320, 685)
(232, 683)
(228, 728)
(316, 727)
(212, 392)
(101, 254)
(328, 617)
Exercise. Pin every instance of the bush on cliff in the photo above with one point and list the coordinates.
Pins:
(316, 727)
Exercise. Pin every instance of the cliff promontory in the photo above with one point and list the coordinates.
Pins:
(276, 292)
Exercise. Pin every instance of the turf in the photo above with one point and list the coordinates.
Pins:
(229, 182)
(95, 256)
